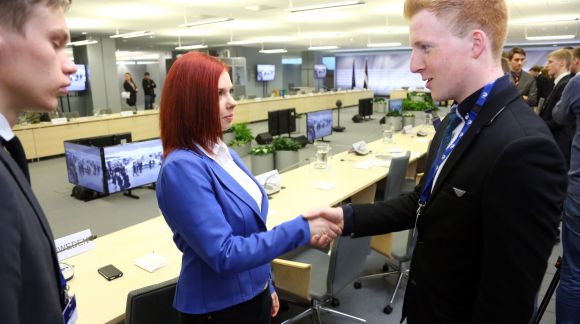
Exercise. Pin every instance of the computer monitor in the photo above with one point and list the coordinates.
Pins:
(319, 71)
(365, 107)
(319, 124)
(132, 165)
(282, 121)
(265, 72)
(396, 105)
(78, 80)
(84, 166)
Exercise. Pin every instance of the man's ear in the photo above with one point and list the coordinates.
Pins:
(479, 43)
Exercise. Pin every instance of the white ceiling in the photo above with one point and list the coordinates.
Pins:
(378, 21)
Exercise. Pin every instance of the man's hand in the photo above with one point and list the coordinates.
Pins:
(275, 304)
(325, 225)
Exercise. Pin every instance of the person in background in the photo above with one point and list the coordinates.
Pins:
(34, 70)
(559, 68)
(567, 112)
(215, 207)
(544, 83)
(130, 86)
(483, 231)
(525, 83)
(505, 65)
(149, 90)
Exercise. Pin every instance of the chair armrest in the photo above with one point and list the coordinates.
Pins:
(292, 277)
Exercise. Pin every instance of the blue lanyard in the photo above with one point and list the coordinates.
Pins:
(437, 164)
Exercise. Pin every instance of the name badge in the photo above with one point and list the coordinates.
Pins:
(70, 312)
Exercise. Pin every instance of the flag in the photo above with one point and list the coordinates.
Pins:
(366, 84)
(353, 78)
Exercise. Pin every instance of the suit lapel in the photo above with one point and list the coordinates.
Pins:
(493, 107)
(233, 186)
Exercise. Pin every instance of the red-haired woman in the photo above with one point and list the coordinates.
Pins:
(215, 208)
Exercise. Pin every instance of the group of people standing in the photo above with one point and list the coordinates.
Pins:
(148, 88)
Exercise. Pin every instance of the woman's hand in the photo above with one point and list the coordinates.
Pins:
(275, 304)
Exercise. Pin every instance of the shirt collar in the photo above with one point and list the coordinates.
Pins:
(220, 152)
(466, 105)
(560, 77)
(5, 130)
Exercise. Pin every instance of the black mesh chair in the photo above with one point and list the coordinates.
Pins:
(152, 304)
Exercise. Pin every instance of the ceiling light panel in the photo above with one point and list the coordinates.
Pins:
(326, 6)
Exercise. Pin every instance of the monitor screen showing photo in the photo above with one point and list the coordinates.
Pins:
(78, 80)
(132, 165)
(396, 105)
(319, 71)
(319, 124)
(84, 166)
(266, 72)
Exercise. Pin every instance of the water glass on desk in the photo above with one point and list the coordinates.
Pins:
(322, 154)
(388, 134)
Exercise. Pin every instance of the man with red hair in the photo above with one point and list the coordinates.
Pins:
(485, 213)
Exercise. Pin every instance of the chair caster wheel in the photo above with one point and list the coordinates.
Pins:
(388, 309)
(357, 285)
(335, 302)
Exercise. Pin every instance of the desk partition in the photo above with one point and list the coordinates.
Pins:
(100, 301)
(45, 139)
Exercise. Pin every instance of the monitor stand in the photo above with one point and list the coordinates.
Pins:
(322, 140)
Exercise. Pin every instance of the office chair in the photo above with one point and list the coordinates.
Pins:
(315, 277)
(152, 304)
(403, 247)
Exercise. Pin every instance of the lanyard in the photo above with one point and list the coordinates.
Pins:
(437, 164)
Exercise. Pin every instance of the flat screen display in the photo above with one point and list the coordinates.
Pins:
(132, 165)
(282, 121)
(79, 79)
(319, 124)
(365, 107)
(319, 71)
(396, 105)
(84, 166)
(266, 72)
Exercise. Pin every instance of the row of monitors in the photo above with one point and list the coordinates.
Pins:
(318, 124)
(109, 164)
(267, 72)
(365, 106)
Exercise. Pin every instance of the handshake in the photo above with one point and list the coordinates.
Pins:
(325, 225)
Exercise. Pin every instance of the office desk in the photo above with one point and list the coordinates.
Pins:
(100, 301)
(45, 139)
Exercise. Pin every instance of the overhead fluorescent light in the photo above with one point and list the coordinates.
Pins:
(332, 5)
(206, 22)
(273, 51)
(245, 42)
(384, 44)
(190, 47)
(133, 34)
(552, 37)
(83, 42)
(321, 48)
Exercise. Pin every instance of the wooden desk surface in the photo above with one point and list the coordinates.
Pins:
(101, 301)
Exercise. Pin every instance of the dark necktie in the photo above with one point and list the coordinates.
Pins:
(454, 120)
(516, 78)
(14, 147)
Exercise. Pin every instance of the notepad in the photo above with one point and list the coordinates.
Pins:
(151, 261)
(324, 185)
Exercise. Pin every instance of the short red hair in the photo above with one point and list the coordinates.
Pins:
(189, 112)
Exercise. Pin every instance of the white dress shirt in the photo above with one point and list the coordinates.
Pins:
(222, 156)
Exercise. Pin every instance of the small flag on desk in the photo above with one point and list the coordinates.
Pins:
(366, 84)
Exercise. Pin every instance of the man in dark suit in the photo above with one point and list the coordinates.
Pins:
(486, 211)
(34, 69)
(524, 81)
(559, 68)
(544, 84)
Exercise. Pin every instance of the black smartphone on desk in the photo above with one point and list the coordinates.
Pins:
(110, 272)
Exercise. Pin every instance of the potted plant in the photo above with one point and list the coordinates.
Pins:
(408, 119)
(286, 153)
(262, 159)
(395, 119)
(379, 105)
(242, 139)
